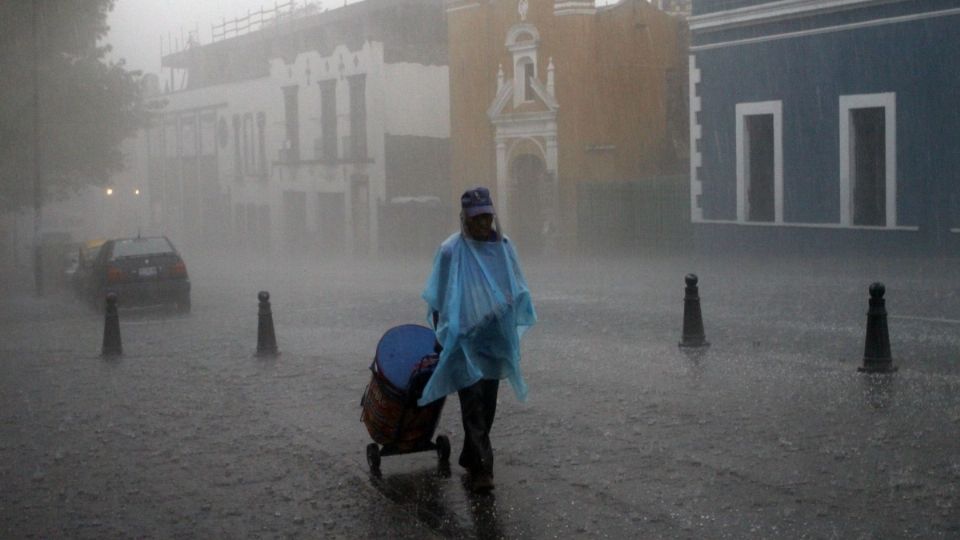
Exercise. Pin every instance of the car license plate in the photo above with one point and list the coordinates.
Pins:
(147, 271)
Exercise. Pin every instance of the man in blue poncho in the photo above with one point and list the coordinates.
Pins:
(479, 305)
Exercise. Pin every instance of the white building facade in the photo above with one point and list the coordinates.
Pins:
(300, 136)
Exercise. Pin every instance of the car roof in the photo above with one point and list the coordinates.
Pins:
(138, 245)
(135, 238)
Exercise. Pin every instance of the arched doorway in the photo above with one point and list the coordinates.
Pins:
(527, 172)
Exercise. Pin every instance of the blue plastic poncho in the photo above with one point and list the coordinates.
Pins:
(484, 305)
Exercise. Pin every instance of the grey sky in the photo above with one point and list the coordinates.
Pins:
(136, 26)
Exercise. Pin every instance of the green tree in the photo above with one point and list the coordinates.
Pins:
(88, 105)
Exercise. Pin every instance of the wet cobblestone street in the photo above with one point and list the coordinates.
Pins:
(771, 432)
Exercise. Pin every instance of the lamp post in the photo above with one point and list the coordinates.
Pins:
(106, 206)
(138, 209)
(37, 161)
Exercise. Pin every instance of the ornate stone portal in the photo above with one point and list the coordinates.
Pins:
(524, 115)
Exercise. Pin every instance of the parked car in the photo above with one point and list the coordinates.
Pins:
(81, 268)
(142, 271)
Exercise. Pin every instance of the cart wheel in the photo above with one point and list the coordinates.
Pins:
(443, 448)
(373, 458)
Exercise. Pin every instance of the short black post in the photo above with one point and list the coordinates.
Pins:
(693, 335)
(876, 349)
(112, 345)
(266, 338)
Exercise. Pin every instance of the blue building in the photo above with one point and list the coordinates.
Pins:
(826, 125)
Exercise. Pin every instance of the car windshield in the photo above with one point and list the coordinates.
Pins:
(135, 247)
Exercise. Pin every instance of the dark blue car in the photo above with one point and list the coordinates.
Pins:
(142, 271)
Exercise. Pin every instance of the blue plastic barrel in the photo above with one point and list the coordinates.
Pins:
(399, 350)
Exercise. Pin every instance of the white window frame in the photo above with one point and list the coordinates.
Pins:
(520, 78)
(527, 96)
(743, 110)
(888, 101)
(522, 51)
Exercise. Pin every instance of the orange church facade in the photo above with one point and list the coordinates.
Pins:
(547, 95)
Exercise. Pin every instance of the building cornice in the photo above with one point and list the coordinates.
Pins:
(545, 96)
(574, 7)
(175, 111)
(460, 5)
(776, 11)
(524, 118)
(500, 101)
(495, 111)
(519, 29)
(828, 29)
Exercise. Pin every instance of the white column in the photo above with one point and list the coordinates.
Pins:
(552, 153)
(696, 187)
(550, 82)
(552, 168)
(553, 194)
(348, 212)
(503, 186)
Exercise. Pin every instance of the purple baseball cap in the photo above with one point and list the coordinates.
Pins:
(476, 201)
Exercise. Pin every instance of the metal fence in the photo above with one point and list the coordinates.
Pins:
(252, 21)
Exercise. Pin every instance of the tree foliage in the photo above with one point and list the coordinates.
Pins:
(51, 53)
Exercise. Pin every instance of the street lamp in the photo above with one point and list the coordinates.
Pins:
(37, 157)
(105, 209)
(138, 209)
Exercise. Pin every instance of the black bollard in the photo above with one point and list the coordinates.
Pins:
(876, 349)
(112, 345)
(693, 336)
(266, 338)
